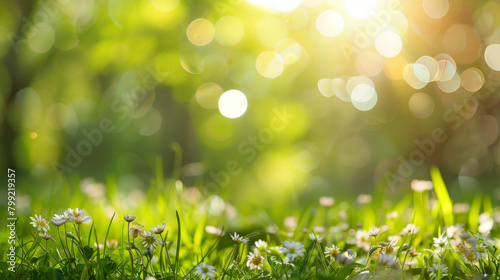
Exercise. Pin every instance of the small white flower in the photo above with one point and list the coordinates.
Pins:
(435, 268)
(158, 229)
(59, 220)
(480, 245)
(82, 220)
(40, 223)
(315, 238)
(410, 229)
(332, 251)
(100, 246)
(73, 214)
(46, 236)
(292, 249)
(112, 244)
(255, 260)
(441, 242)
(421, 186)
(388, 260)
(326, 201)
(149, 240)
(239, 239)
(392, 215)
(128, 218)
(346, 258)
(261, 244)
(136, 229)
(205, 270)
(374, 231)
(389, 247)
(363, 239)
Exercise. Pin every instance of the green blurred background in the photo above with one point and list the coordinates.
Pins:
(71, 67)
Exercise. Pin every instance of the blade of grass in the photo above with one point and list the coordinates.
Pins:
(475, 210)
(176, 264)
(107, 232)
(442, 195)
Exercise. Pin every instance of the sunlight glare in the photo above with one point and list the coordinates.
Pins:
(277, 5)
(361, 8)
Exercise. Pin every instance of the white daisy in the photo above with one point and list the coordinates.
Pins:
(315, 238)
(292, 249)
(128, 218)
(363, 239)
(46, 236)
(205, 270)
(59, 220)
(73, 214)
(332, 251)
(410, 229)
(261, 245)
(346, 258)
(374, 231)
(435, 268)
(480, 245)
(40, 223)
(82, 219)
(255, 260)
(387, 260)
(149, 240)
(440, 242)
(158, 229)
(239, 239)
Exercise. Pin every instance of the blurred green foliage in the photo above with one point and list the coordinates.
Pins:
(97, 93)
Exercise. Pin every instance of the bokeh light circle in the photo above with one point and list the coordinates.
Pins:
(436, 8)
(412, 79)
(233, 104)
(330, 23)
(364, 97)
(426, 69)
(325, 87)
(208, 94)
(421, 105)
(472, 79)
(200, 32)
(388, 44)
(450, 85)
(492, 56)
(269, 64)
(41, 38)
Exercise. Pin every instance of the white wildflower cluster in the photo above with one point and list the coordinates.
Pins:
(149, 239)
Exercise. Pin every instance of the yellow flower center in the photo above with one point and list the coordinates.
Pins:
(292, 249)
(205, 270)
(43, 224)
(256, 260)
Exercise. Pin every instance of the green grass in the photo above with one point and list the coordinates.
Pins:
(194, 235)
